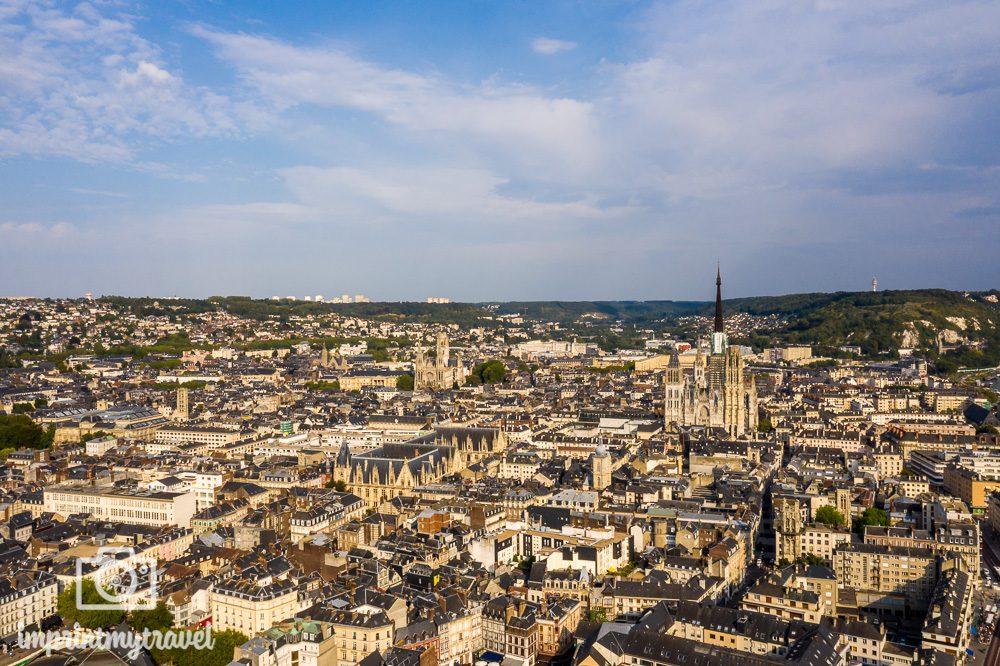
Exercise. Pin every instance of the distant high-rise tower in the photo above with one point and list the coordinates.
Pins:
(183, 410)
(874, 284)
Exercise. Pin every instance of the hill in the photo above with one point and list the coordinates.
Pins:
(955, 329)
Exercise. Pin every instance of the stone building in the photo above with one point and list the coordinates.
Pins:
(396, 468)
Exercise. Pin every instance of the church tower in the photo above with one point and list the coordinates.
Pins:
(600, 475)
(673, 408)
(183, 408)
(442, 351)
(734, 417)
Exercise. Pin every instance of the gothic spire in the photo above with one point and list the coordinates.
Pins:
(719, 327)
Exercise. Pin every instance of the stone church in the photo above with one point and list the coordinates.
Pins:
(715, 392)
(439, 374)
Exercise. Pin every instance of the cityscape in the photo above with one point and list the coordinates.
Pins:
(654, 333)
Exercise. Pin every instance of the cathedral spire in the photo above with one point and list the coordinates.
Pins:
(719, 326)
(719, 341)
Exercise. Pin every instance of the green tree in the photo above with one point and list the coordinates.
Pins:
(871, 516)
(488, 372)
(159, 617)
(811, 559)
(338, 485)
(764, 425)
(324, 386)
(220, 654)
(404, 382)
(598, 614)
(71, 614)
(829, 515)
(18, 431)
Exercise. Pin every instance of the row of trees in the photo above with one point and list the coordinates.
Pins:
(829, 515)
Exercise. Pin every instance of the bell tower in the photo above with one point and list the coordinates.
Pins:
(673, 406)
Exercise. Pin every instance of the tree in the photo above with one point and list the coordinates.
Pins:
(871, 516)
(811, 559)
(18, 431)
(324, 386)
(71, 614)
(488, 372)
(224, 643)
(829, 515)
(764, 425)
(156, 618)
(404, 382)
(338, 485)
(598, 614)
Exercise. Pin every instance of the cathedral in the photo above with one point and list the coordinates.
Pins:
(715, 392)
(439, 374)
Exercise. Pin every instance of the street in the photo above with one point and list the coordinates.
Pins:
(992, 654)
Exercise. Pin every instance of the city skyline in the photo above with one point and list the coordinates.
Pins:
(568, 151)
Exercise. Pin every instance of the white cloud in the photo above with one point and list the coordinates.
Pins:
(548, 46)
(34, 230)
(517, 121)
(99, 193)
(83, 85)
(430, 196)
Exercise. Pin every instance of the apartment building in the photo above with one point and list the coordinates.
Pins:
(971, 480)
(213, 437)
(136, 507)
(357, 634)
(557, 619)
(886, 578)
(26, 598)
(510, 627)
(299, 642)
(822, 540)
(250, 608)
(460, 634)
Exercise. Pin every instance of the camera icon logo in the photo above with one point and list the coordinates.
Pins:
(121, 580)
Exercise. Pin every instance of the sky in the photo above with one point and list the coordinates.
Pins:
(498, 150)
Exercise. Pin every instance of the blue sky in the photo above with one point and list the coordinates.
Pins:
(498, 150)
